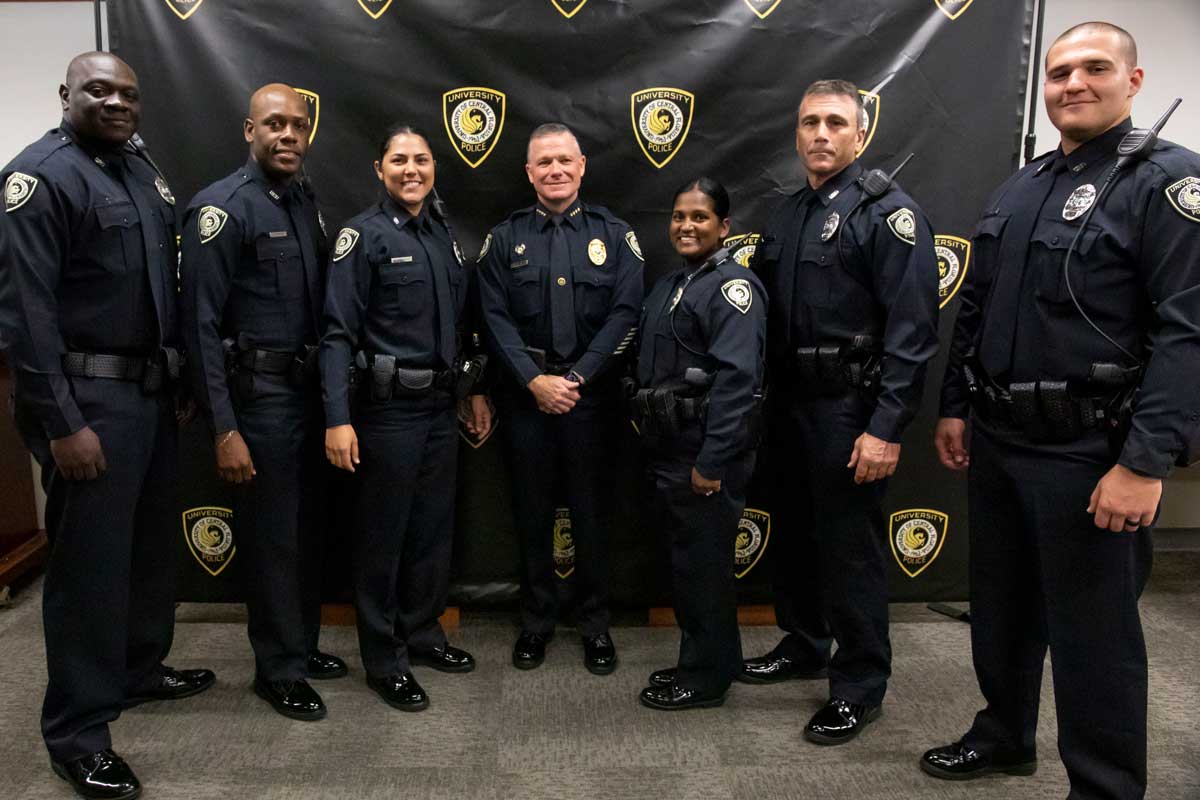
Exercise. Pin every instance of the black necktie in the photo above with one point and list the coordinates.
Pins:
(562, 292)
(447, 340)
(294, 206)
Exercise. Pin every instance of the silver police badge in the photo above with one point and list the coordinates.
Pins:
(631, 240)
(831, 226)
(904, 224)
(210, 223)
(163, 190)
(458, 253)
(487, 242)
(17, 190)
(346, 239)
(1184, 195)
(1079, 202)
(675, 300)
(321, 222)
(738, 293)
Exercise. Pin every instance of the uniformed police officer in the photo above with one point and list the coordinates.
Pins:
(253, 288)
(701, 364)
(560, 287)
(395, 313)
(87, 241)
(852, 275)
(1049, 355)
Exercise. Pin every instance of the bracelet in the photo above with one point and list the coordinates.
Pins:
(225, 437)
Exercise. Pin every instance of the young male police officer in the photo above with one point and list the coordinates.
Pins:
(851, 326)
(560, 287)
(1062, 504)
(253, 289)
(87, 241)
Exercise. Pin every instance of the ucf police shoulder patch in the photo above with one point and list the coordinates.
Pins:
(346, 239)
(738, 294)
(1184, 195)
(210, 222)
(17, 190)
(904, 224)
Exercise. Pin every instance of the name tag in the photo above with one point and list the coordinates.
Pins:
(401, 259)
(516, 264)
(278, 234)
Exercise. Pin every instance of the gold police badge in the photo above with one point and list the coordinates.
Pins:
(314, 110)
(871, 103)
(568, 8)
(953, 258)
(754, 532)
(742, 247)
(597, 252)
(374, 8)
(763, 8)
(184, 8)
(917, 536)
(662, 117)
(953, 8)
(564, 544)
(474, 117)
(17, 190)
(209, 536)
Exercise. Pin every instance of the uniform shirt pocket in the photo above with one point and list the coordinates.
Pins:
(593, 293)
(120, 239)
(404, 285)
(1048, 251)
(816, 276)
(281, 264)
(525, 291)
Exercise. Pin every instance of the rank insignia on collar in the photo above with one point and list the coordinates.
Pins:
(346, 239)
(1079, 202)
(831, 226)
(164, 190)
(520, 249)
(210, 222)
(487, 242)
(597, 252)
(631, 240)
(17, 190)
(1184, 195)
(904, 224)
(738, 293)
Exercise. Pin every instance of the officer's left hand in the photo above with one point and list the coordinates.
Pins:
(1124, 500)
(702, 485)
(873, 459)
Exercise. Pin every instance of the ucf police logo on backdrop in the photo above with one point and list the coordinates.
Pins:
(184, 8)
(742, 247)
(662, 117)
(568, 8)
(314, 110)
(374, 8)
(564, 544)
(754, 532)
(474, 117)
(953, 8)
(917, 536)
(209, 537)
(763, 8)
(871, 104)
(953, 257)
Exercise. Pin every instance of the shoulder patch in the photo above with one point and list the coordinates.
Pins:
(1184, 196)
(17, 190)
(210, 223)
(487, 243)
(631, 240)
(904, 224)
(738, 294)
(346, 239)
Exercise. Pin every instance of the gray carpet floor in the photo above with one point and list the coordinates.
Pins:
(559, 732)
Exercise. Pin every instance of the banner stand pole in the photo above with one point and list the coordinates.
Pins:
(1034, 66)
(99, 41)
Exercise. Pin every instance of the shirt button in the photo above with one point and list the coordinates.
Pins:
(1054, 240)
(822, 259)
(562, 281)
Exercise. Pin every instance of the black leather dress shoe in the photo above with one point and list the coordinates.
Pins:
(323, 666)
(773, 668)
(102, 775)
(957, 762)
(446, 658)
(293, 699)
(173, 684)
(530, 650)
(839, 722)
(599, 654)
(663, 677)
(676, 698)
(400, 691)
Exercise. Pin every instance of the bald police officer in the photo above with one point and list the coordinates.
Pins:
(87, 241)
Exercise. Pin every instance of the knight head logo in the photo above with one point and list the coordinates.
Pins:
(474, 117)
(313, 100)
(754, 532)
(662, 117)
(184, 8)
(953, 258)
(568, 8)
(871, 101)
(374, 8)
(917, 536)
(209, 536)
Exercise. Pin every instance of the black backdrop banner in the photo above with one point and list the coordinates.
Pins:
(658, 91)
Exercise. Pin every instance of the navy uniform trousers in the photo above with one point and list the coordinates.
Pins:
(408, 448)
(1043, 575)
(112, 547)
(830, 578)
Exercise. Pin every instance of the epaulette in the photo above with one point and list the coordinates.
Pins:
(36, 153)
(520, 212)
(1174, 159)
(600, 211)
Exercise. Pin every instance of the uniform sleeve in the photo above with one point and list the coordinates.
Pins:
(500, 329)
(208, 268)
(615, 335)
(1167, 412)
(736, 341)
(906, 284)
(34, 248)
(347, 292)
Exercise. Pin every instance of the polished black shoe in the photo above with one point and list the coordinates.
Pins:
(400, 691)
(839, 722)
(599, 654)
(957, 762)
(773, 668)
(173, 684)
(446, 658)
(293, 699)
(101, 775)
(323, 666)
(674, 697)
(530, 650)
(663, 677)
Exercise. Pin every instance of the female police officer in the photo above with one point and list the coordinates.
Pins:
(700, 376)
(395, 303)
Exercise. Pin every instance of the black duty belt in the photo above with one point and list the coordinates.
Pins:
(835, 368)
(383, 378)
(269, 362)
(151, 372)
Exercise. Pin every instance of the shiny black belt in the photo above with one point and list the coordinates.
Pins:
(101, 365)
(270, 362)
